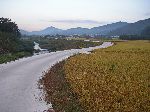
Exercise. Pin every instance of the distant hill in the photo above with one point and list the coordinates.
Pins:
(118, 28)
(77, 30)
(104, 30)
(132, 28)
(48, 31)
(96, 30)
(23, 32)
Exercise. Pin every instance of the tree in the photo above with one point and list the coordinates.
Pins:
(146, 31)
(9, 36)
(6, 25)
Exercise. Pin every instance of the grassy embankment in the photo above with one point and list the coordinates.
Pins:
(13, 56)
(58, 91)
(111, 79)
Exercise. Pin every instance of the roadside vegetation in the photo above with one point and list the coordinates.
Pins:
(53, 44)
(58, 91)
(11, 45)
(13, 56)
(112, 79)
(63, 44)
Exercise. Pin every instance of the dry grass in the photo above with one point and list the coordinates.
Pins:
(58, 92)
(116, 79)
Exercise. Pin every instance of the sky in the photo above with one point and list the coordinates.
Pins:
(34, 15)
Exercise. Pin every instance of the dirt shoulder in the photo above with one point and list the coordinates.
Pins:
(58, 91)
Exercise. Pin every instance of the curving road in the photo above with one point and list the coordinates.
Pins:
(18, 80)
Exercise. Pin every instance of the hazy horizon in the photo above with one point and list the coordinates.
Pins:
(34, 15)
(78, 26)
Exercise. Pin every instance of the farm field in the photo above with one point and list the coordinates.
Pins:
(112, 79)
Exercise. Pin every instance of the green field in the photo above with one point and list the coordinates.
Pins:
(115, 79)
(53, 44)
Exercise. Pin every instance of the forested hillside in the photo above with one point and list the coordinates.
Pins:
(132, 29)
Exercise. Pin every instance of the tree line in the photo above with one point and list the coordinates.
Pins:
(10, 38)
(145, 35)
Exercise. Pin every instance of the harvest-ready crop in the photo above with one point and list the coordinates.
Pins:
(115, 79)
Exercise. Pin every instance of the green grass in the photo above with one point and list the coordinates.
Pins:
(12, 57)
(59, 44)
(63, 44)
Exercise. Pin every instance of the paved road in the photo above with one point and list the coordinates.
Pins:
(18, 80)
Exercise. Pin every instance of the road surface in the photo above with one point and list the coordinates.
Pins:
(19, 79)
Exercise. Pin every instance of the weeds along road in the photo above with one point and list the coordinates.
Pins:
(18, 80)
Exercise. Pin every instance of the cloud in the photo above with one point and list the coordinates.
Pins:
(77, 21)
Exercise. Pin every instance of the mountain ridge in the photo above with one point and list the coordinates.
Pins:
(78, 30)
(113, 29)
(132, 28)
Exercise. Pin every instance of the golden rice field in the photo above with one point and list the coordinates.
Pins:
(115, 79)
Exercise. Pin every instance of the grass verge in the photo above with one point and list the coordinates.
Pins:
(13, 56)
(58, 92)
